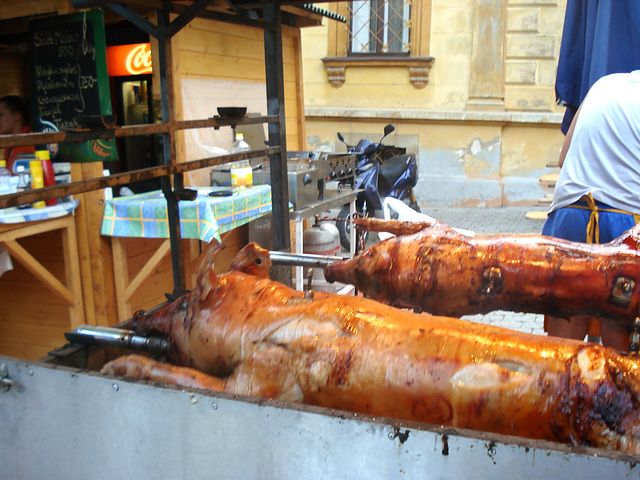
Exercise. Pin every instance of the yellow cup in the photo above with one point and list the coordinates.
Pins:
(241, 175)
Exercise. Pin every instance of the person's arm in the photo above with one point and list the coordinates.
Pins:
(567, 139)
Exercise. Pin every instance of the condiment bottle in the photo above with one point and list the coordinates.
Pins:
(49, 177)
(241, 172)
(5, 179)
(37, 180)
(240, 145)
(23, 186)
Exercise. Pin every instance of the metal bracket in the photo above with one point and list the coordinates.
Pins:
(621, 293)
(5, 382)
(634, 341)
(491, 280)
(119, 338)
(309, 275)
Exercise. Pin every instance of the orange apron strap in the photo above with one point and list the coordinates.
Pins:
(593, 226)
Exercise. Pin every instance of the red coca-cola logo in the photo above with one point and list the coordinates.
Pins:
(138, 60)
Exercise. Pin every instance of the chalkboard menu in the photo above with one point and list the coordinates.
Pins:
(68, 72)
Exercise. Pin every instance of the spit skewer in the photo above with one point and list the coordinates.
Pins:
(117, 337)
(302, 259)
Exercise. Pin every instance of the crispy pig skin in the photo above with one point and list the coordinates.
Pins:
(245, 334)
(435, 269)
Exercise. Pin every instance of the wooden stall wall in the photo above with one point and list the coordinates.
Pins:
(213, 50)
(33, 319)
(13, 73)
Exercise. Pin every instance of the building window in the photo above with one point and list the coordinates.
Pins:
(391, 34)
(379, 27)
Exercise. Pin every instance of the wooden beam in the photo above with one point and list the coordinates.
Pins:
(81, 135)
(41, 273)
(145, 271)
(98, 183)
(20, 8)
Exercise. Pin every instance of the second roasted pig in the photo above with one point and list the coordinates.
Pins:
(433, 268)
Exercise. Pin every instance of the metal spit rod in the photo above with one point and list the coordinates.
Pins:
(117, 337)
(302, 259)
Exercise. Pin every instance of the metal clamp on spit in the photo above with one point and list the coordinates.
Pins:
(307, 260)
(117, 337)
(5, 381)
(634, 341)
(302, 259)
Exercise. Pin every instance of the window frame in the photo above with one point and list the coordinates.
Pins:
(417, 61)
(378, 30)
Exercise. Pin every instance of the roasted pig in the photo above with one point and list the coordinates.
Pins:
(244, 334)
(433, 268)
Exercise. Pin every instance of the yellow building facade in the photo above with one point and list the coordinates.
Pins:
(473, 97)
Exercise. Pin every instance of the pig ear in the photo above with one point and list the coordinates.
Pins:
(203, 280)
(253, 260)
(395, 227)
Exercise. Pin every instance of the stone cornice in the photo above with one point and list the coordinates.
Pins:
(419, 67)
(436, 115)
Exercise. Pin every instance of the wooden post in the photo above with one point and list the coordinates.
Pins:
(277, 134)
(94, 251)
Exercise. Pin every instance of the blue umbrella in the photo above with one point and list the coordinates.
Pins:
(599, 37)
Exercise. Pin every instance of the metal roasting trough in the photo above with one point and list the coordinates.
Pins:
(61, 420)
(64, 419)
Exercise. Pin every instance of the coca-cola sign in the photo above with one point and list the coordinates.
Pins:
(134, 59)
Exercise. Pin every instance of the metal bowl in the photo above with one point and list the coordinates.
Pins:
(235, 112)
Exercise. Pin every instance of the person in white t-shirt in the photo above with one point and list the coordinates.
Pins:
(597, 195)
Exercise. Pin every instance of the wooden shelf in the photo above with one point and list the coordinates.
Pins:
(549, 179)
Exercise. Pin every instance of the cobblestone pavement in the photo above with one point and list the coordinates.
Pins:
(489, 220)
(496, 220)
(522, 322)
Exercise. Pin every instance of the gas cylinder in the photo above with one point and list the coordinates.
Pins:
(322, 238)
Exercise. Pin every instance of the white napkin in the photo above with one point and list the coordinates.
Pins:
(406, 213)
(5, 261)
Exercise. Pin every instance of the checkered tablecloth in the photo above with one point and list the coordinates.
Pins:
(20, 215)
(145, 215)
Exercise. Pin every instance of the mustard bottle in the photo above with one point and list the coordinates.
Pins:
(37, 180)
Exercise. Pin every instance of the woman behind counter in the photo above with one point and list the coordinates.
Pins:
(14, 117)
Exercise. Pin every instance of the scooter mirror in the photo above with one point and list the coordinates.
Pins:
(387, 130)
(340, 137)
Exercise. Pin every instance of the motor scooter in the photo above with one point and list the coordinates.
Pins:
(381, 171)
